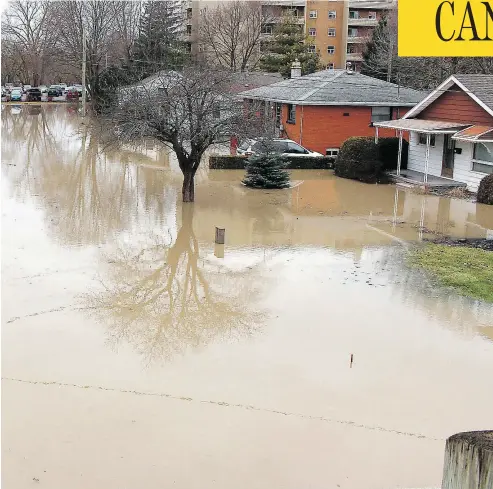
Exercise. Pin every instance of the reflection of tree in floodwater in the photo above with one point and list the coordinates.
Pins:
(167, 298)
(88, 193)
(416, 288)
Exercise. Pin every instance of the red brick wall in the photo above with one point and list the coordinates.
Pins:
(327, 127)
(456, 106)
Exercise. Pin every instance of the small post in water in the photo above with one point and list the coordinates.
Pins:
(351, 361)
(220, 232)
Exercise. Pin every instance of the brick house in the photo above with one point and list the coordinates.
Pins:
(320, 111)
(451, 133)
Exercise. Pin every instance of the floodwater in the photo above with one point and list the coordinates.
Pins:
(137, 354)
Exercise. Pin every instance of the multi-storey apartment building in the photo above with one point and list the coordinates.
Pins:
(337, 29)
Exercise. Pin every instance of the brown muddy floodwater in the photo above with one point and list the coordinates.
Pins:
(136, 354)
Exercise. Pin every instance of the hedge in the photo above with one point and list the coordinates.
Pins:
(485, 190)
(359, 159)
(226, 162)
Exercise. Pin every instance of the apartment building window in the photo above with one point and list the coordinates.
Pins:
(331, 32)
(422, 138)
(352, 32)
(311, 48)
(353, 14)
(372, 15)
(332, 14)
(291, 114)
(381, 114)
(351, 49)
(330, 66)
(331, 49)
(312, 31)
(313, 14)
(189, 29)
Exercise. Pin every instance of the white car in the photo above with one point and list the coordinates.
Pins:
(283, 146)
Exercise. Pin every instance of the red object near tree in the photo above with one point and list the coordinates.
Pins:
(233, 145)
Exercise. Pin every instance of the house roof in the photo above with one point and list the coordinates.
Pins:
(475, 134)
(252, 80)
(336, 87)
(478, 87)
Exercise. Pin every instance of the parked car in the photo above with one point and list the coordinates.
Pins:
(55, 91)
(16, 95)
(281, 146)
(26, 88)
(43, 88)
(5, 95)
(34, 95)
(71, 93)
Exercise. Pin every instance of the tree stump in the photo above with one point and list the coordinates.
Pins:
(469, 461)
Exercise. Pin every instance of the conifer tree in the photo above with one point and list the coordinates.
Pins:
(266, 170)
(288, 44)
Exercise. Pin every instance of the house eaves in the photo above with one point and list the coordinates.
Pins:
(335, 104)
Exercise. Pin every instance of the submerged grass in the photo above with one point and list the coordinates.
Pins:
(468, 270)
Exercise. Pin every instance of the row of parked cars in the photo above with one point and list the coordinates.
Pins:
(11, 93)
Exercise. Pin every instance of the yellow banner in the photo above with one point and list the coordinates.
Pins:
(445, 28)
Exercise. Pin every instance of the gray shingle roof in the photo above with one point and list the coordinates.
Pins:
(480, 85)
(336, 87)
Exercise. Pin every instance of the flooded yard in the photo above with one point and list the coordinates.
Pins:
(136, 353)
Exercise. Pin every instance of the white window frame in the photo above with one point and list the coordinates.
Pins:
(356, 14)
(330, 66)
(432, 139)
(372, 16)
(332, 14)
(333, 31)
(331, 151)
(331, 49)
(312, 31)
(291, 111)
(481, 162)
(377, 117)
(312, 48)
(313, 14)
(351, 30)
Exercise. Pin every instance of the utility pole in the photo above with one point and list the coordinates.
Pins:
(84, 55)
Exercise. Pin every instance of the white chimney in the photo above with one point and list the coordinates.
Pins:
(296, 69)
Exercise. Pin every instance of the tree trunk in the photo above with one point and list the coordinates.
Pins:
(188, 189)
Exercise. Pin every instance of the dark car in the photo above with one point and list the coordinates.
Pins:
(55, 92)
(34, 95)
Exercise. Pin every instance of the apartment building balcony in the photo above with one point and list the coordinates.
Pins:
(354, 57)
(363, 22)
(293, 18)
(357, 39)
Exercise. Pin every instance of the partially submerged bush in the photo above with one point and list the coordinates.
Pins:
(359, 159)
(267, 170)
(485, 190)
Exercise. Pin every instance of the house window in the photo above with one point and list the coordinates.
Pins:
(332, 14)
(330, 66)
(313, 14)
(291, 114)
(331, 151)
(483, 158)
(266, 29)
(312, 32)
(216, 111)
(311, 48)
(372, 15)
(422, 139)
(331, 32)
(353, 14)
(331, 49)
(352, 32)
(381, 114)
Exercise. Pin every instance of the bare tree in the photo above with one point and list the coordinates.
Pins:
(127, 17)
(187, 111)
(230, 34)
(29, 38)
(96, 18)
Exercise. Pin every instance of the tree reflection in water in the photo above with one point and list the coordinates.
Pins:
(167, 298)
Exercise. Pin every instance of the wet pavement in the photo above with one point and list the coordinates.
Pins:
(136, 353)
